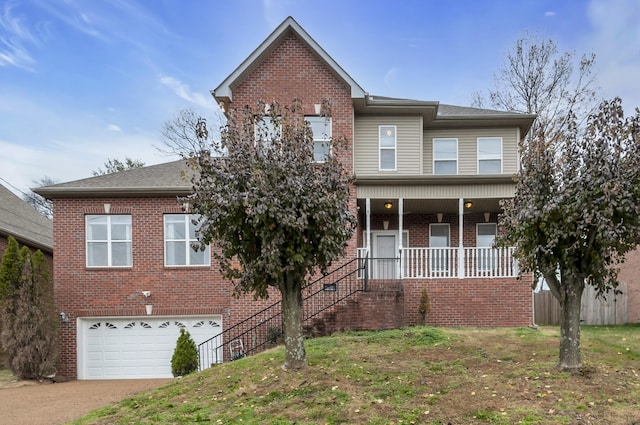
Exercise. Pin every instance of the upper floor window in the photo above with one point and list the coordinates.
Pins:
(321, 129)
(179, 240)
(445, 156)
(489, 155)
(265, 131)
(108, 239)
(387, 147)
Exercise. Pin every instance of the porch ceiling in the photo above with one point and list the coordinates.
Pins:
(430, 206)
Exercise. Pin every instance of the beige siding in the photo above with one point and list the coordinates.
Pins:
(468, 151)
(486, 191)
(408, 145)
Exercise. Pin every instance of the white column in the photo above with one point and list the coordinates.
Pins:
(400, 215)
(460, 238)
(368, 215)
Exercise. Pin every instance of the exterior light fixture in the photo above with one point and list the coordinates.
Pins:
(468, 204)
(388, 205)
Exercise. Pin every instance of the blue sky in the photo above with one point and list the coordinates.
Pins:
(82, 81)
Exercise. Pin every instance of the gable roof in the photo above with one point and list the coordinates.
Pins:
(224, 92)
(167, 179)
(24, 223)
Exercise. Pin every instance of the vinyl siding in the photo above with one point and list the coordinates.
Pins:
(486, 191)
(408, 145)
(468, 151)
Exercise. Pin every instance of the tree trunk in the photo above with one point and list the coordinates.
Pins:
(295, 356)
(570, 300)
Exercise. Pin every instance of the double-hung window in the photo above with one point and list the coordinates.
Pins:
(387, 147)
(445, 156)
(321, 129)
(180, 240)
(265, 131)
(489, 155)
(108, 239)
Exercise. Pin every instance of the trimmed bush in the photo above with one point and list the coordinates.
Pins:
(185, 356)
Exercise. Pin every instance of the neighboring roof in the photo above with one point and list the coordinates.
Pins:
(171, 178)
(224, 92)
(24, 223)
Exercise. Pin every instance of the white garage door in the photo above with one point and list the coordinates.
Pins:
(136, 347)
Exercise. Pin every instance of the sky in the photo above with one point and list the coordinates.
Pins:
(85, 81)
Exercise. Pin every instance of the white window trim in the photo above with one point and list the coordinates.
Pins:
(109, 241)
(490, 158)
(395, 148)
(187, 240)
(433, 155)
(326, 137)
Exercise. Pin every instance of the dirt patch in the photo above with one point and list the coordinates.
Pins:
(35, 403)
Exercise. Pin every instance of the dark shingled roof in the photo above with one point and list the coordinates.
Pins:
(171, 178)
(24, 223)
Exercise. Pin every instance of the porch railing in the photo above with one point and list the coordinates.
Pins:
(431, 263)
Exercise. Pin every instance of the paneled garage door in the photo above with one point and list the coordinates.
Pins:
(136, 347)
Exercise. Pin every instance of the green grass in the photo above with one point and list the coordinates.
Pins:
(417, 375)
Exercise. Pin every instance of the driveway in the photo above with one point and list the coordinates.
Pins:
(33, 403)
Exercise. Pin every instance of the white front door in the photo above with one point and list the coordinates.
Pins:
(439, 237)
(136, 347)
(485, 241)
(386, 253)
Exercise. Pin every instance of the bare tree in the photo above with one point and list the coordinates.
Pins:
(539, 79)
(576, 211)
(179, 134)
(42, 205)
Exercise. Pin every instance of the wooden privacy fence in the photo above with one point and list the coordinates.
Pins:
(594, 311)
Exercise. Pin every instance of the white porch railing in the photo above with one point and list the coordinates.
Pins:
(429, 263)
(490, 262)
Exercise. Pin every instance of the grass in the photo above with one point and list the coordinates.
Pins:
(416, 375)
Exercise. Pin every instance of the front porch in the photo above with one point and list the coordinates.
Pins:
(433, 239)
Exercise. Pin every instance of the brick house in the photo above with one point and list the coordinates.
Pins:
(428, 181)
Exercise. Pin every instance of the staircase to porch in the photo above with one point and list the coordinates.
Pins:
(321, 299)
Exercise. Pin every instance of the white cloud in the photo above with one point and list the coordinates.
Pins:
(113, 127)
(14, 34)
(550, 13)
(183, 91)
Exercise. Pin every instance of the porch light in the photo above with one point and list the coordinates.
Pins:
(468, 204)
(388, 205)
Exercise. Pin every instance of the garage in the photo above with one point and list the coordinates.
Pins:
(136, 347)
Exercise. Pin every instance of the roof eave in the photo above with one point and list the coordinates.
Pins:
(102, 192)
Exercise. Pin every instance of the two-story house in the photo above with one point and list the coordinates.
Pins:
(428, 181)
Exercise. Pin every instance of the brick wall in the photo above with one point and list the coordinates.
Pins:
(629, 274)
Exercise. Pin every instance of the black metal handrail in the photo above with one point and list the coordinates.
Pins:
(264, 329)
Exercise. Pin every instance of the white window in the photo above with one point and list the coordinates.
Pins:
(387, 147)
(179, 241)
(489, 155)
(439, 238)
(321, 129)
(108, 240)
(485, 241)
(266, 131)
(445, 156)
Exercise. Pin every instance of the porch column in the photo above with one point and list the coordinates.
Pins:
(400, 215)
(368, 215)
(460, 238)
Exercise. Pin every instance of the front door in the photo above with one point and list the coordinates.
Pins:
(385, 253)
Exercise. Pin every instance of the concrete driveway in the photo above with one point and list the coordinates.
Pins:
(33, 403)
